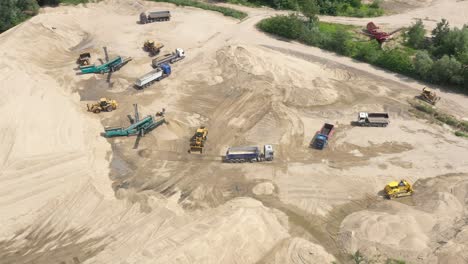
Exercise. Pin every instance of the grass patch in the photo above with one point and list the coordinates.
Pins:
(223, 10)
(246, 3)
(364, 10)
(329, 28)
(450, 120)
(394, 261)
(461, 134)
(425, 108)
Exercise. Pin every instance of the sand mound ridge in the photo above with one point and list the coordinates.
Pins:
(414, 233)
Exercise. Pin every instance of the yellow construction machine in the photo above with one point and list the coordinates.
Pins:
(103, 104)
(152, 47)
(397, 189)
(197, 142)
(429, 96)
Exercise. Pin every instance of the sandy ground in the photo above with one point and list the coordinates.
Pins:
(70, 196)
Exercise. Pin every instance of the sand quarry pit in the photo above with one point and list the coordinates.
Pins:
(68, 195)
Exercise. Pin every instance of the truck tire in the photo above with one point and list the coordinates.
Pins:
(97, 111)
(109, 108)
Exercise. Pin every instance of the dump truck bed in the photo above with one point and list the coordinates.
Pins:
(159, 14)
(326, 129)
(378, 117)
(243, 150)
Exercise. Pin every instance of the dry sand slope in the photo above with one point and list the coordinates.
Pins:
(59, 179)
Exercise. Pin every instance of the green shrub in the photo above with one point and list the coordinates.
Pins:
(447, 119)
(425, 108)
(463, 125)
(415, 36)
(461, 134)
(290, 27)
(368, 51)
(423, 64)
(396, 60)
(447, 70)
(394, 261)
(375, 4)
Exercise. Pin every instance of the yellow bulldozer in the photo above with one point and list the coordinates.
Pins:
(197, 142)
(152, 47)
(103, 104)
(396, 189)
(429, 96)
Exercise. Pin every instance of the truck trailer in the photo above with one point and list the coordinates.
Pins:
(158, 74)
(155, 16)
(373, 119)
(322, 136)
(249, 153)
(177, 55)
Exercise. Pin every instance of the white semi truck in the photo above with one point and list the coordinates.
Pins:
(148, 79)
(249, 154)
(177, 55)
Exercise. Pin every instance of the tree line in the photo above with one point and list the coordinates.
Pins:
(13, 12)
(353, 8)
(441, 58)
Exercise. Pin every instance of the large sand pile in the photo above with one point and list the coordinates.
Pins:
(57, 204)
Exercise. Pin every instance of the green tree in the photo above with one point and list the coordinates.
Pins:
(13, 12)
(423, 64)
(309, 9)
(440, 31)
(447, 70)
(415, 35)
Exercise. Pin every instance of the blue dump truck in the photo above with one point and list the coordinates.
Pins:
(249, 153)
(321, 137)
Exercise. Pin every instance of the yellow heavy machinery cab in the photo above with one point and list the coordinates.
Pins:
(397, 189)
(197, 143)
(429, 96)
(152, 47)
(103, 104)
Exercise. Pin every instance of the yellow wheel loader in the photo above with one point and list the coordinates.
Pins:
(397, 189)
(197, 143)
(152, 47)
(103, 104)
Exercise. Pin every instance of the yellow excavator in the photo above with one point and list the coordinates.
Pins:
(197, 143)
(429, 96)
(103, 104)
(152, 47)
(396, 189)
